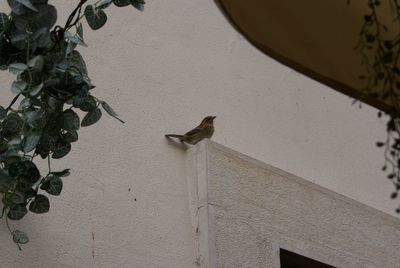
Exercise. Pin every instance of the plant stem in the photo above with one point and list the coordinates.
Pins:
(48, 163)
(11, 232)
(13, 101)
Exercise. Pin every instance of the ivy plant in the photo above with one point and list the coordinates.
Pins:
(51, 84)
(379, 45)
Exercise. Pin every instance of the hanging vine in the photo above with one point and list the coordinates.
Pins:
(51, 83)
(379, 45)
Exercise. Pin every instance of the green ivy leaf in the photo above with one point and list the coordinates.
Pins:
(18, 198)
(121, 3)
(33, 173)
(53, 186)
(110, 111)
(16, 168)
(4, 23)
(20, 237)
(86, 103)
(46, 17)
(91, 117)
(71, 136)
(96, 18)
(28, 4)
(41, 38)
(17, 7)
(3, 146)
(6, 201)
(79, 30)
(24, 104)
(40, 204)
(103, 4)
(12, 124)
(31, 141)
(3, 113)
(39, 2)
(36, 118)
(17, 212)
(62, 149)
(34, 91)
(74, 40)
(5, 181)
(63, 173)
(380, 144)
(18, 86)
(17, 68)
(36, 63)
(70, 47)
(71, 120)
(18, 39)
(76, 60)
(24, 184)
(138, 4)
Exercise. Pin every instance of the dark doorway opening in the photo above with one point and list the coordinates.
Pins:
(293, 260)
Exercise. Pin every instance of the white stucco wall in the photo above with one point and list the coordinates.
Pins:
(164, 70)
(244, 211)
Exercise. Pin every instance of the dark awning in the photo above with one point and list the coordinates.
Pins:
(315, 37)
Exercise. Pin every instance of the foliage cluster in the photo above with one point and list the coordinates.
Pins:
(53, 82)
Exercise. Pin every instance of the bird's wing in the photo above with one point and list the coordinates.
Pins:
(194, 131)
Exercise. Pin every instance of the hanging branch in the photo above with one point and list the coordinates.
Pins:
(53, 81)
(380, 50)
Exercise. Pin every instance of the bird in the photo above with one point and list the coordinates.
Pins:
(202, 131)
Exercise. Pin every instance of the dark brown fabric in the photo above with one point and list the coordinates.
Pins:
(314, 37)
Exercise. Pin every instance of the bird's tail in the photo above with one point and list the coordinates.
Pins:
(174, 136)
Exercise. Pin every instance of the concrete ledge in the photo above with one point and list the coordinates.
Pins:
(243, 211)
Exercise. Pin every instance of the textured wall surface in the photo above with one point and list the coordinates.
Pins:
(163, 70)
(244, 211)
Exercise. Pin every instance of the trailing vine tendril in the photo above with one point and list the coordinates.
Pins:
(379, 45)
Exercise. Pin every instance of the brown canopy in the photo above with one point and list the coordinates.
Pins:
(315, 37)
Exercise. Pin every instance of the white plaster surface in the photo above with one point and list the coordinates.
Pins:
(244, 211)
(164, 70)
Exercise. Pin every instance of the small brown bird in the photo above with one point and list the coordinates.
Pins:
(202, 131)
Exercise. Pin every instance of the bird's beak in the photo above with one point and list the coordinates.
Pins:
(214, 117)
